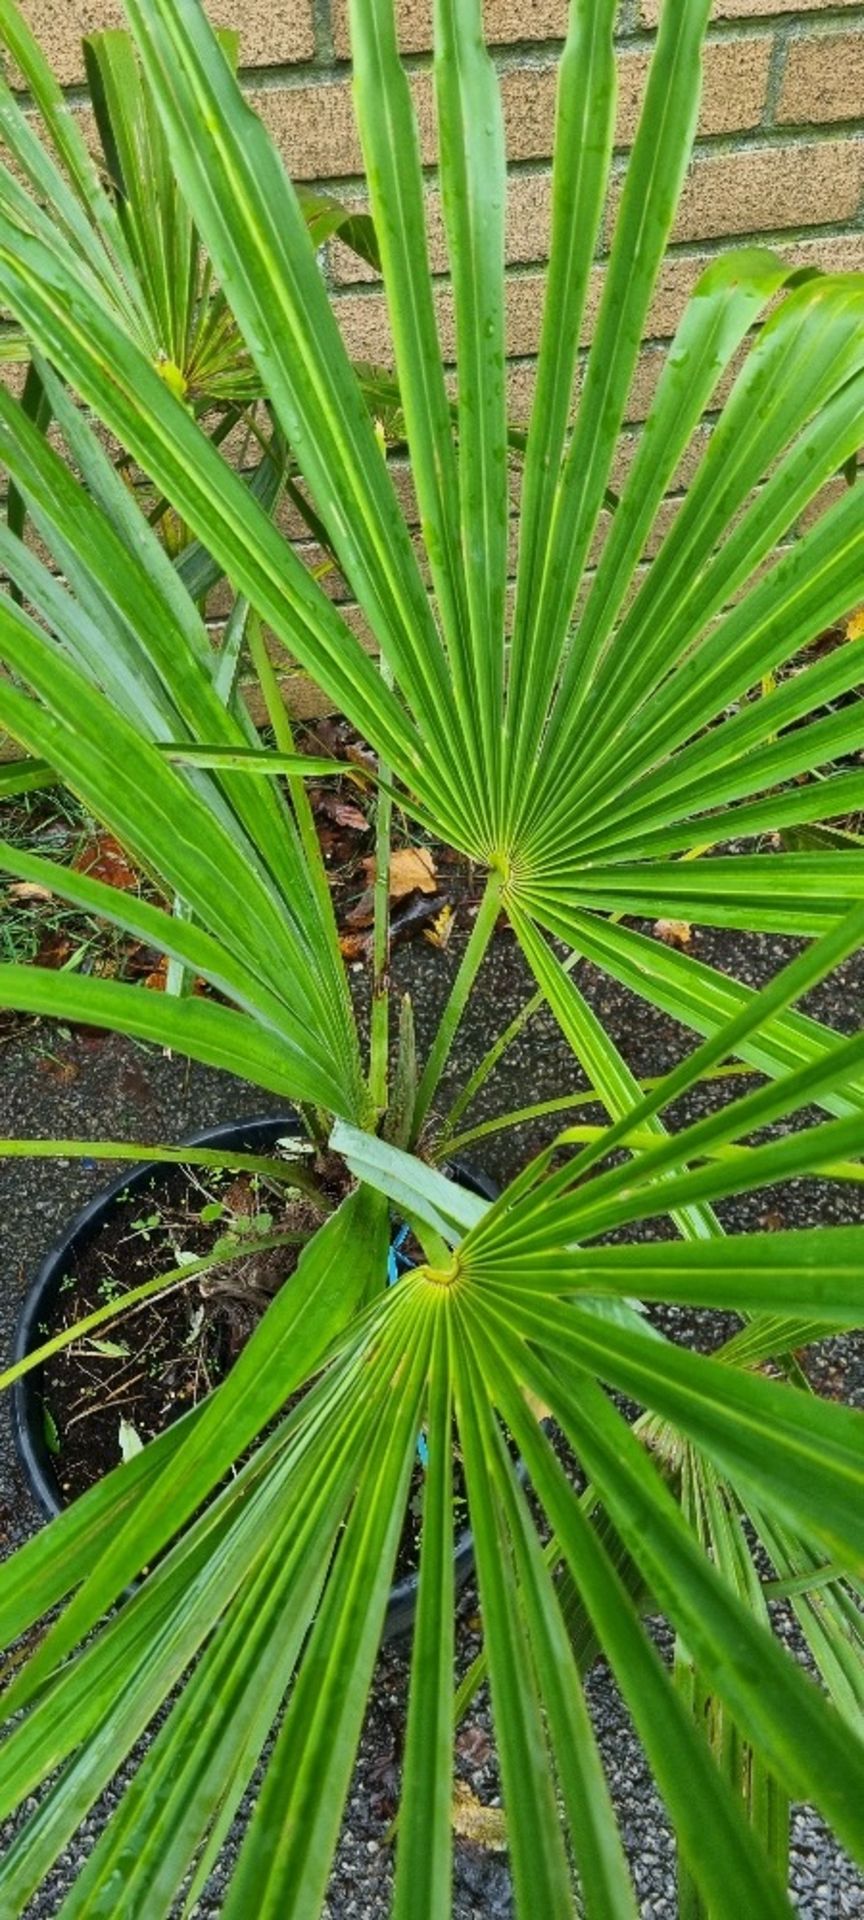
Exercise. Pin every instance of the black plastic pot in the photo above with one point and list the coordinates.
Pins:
(247, 1136)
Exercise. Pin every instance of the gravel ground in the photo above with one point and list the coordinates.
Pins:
(112, 1088)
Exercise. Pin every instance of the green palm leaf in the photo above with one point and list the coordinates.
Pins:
(622, 723)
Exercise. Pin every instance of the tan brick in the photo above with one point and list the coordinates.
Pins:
(768, 188)
(526, 233)
(303, 700)
(505, 21)
(315, 130)
(828, 496)
(528, 99)
(522, 376)
(749, 9)
(736, 84)
(271, 31)
(365, 327)
(366, 330)
(840, 253)
(314, 125)
(824, 79)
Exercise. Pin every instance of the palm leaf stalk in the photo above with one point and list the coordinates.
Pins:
(577, 752)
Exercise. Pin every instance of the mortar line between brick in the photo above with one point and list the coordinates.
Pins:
(760, 136)
(790, 16)
(697, 252)
(776, 73)
(322, 28)
(752, 141)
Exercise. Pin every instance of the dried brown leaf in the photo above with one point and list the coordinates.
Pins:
(674, 933)
(63, 1071)
(29, 890)
(362, 913)
(442, 926)
(412, 870)
(353, 946)
(483, 1826)
(342, 812)
(104, 859)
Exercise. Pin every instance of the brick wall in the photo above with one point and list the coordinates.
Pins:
(780, 153)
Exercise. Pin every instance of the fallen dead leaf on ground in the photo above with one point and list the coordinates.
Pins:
(29, 890)
(362, 757)
(353, 946)
(412, 870)
(412, 916)
(485, 1826)
(442, 926)
(63, 1071)
(157, 980)
(104, 859)
(54, 950)
(341, 812)
(473, 1744)
(674, 933)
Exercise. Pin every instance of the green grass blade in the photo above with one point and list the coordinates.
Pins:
(607, 1892)
(606, 1069)
(408, 1182)
(788, 893)
(156, 224)
(727, 301)
(193, 1026)
(25, 776)
(201, 862)
(803, 378)
(789, 985)
(113, 377)
(816, 1276)
(334, 1273)
(801, 1458)
(202, 1757)
(72, 189)
(191, 944)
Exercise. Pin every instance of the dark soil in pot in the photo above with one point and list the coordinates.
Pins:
(110, 1392)
(136, 1375)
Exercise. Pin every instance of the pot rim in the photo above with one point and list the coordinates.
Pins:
(27, 1402)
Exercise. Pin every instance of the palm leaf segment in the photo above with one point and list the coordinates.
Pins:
(572, 758)
(125, 218)
(576, 759)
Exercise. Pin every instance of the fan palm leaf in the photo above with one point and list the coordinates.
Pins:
(574, 749)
